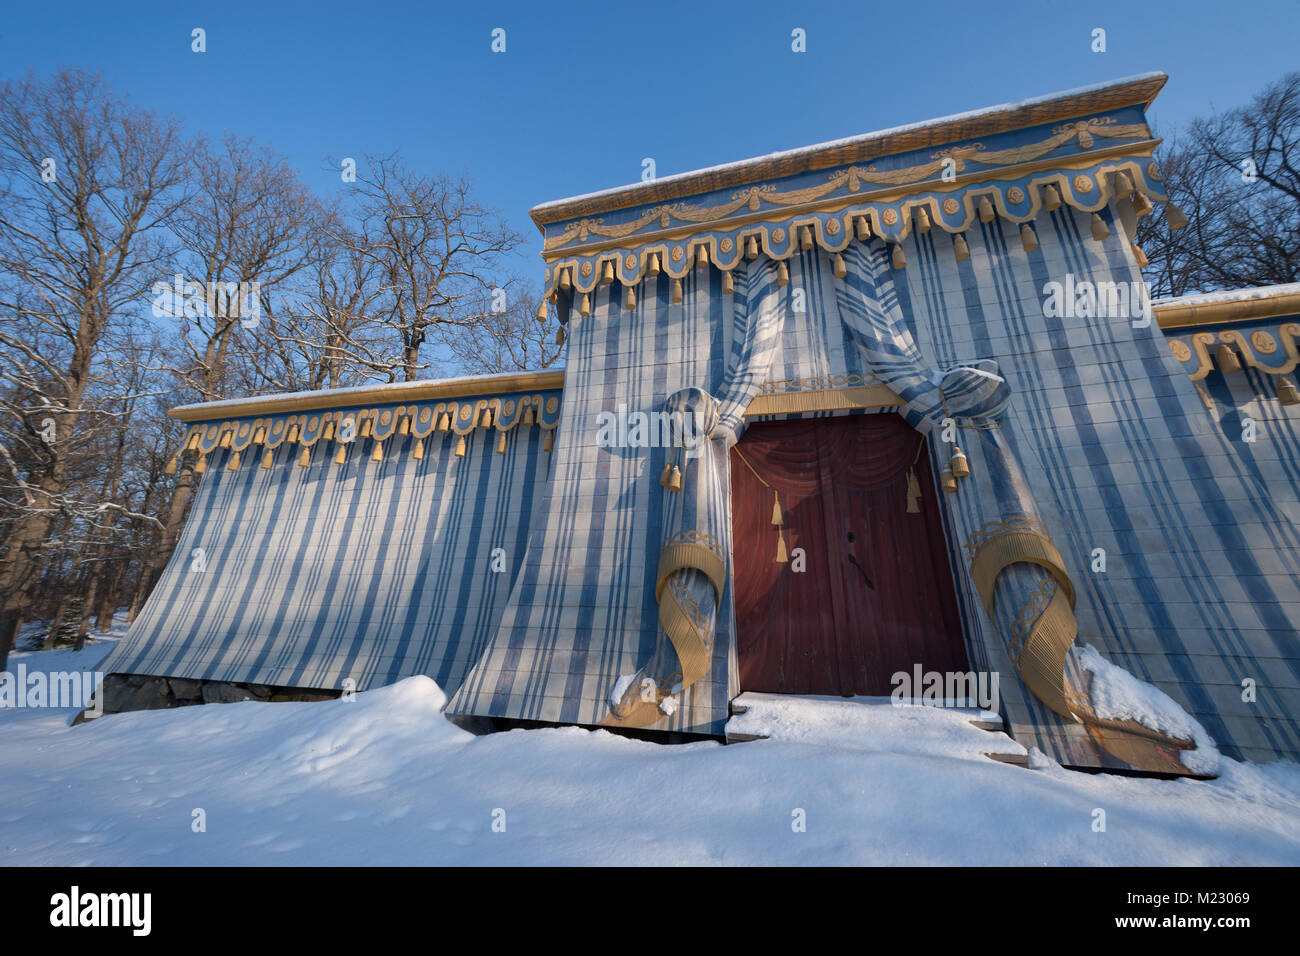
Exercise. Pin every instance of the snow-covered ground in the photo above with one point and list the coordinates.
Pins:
(386, 779)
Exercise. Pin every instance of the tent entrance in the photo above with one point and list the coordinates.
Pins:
(867, 589)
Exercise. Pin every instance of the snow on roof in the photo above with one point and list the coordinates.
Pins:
(851, 140)
(1230, 295)
(468, 384)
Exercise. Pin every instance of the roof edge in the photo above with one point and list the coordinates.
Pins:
(1113, 94)
(385, 393)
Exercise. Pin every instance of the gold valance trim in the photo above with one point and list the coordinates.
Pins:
(824, 400)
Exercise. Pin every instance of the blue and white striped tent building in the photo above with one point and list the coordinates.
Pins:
(973, 275)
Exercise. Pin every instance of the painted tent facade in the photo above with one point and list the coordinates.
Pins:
(905, 272)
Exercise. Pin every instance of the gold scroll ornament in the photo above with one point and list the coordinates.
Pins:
(687, 628)
(1040, 659)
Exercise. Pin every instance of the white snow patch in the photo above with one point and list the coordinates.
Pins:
(468, 384)
(620, 688)
(1118, 695)
(668, 705)
(871, 723)
(1230, 295)
(386, 779)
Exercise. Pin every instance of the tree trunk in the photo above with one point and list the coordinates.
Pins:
(52, 634)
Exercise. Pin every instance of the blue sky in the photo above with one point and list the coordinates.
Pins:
(584, 92)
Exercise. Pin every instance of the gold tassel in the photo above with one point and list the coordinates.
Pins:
(528, 415)
(501, 444)
(900, 260)
(378, 453)
(267, 460)
(653, 269)
(292, 436)
(485, 418)
(548, 442)
(666, 475)
(701, 256)
(677, 290)
(460, 447)
(194, 442)
(366, 428)
(329, 430)
(226, 439)
(305, 458)
(584, 309)
(171, 467)
(781, 556)
(444, 422)
(675, 480)
(922, 220)
(1141, 204)
(838, 267)
(560, 337)
(418, 452)
(913, 493)
(1286, 392)
(985, 209)
(629, 301)
(1028, 238)
(960, 248)
(751, 248)
(960, 467)
(565, 283)
(259, 435)
(340, 456)
(202, 466)
(806, 238)
(728, 284)
(541, 312)
(404, 426)
(554, 297)
(1227, 359)
(863, 228)
(1175, 216)
(1140, 256)
(607, 273)
(777, 518)
(947, 482)
(782, 275)
(1123, 185)
(1051, 198)
(234, 462)
(1099, 230)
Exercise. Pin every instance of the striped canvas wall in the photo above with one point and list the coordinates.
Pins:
(370, 570)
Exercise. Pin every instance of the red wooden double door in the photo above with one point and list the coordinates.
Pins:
(867, 590)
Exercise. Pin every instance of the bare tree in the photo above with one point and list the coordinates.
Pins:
(244, 231)
(1236, 175)
(89, 183)
(507, 335)
(434, 246)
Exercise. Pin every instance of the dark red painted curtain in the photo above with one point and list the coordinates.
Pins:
(876, 593)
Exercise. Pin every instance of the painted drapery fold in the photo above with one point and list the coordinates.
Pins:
(1017, 570)
(692, 573)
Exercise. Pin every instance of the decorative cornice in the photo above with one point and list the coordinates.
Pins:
(836, 215)
(370, 395)
(1180, 314)
(1057, 108)
(1271, 351)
